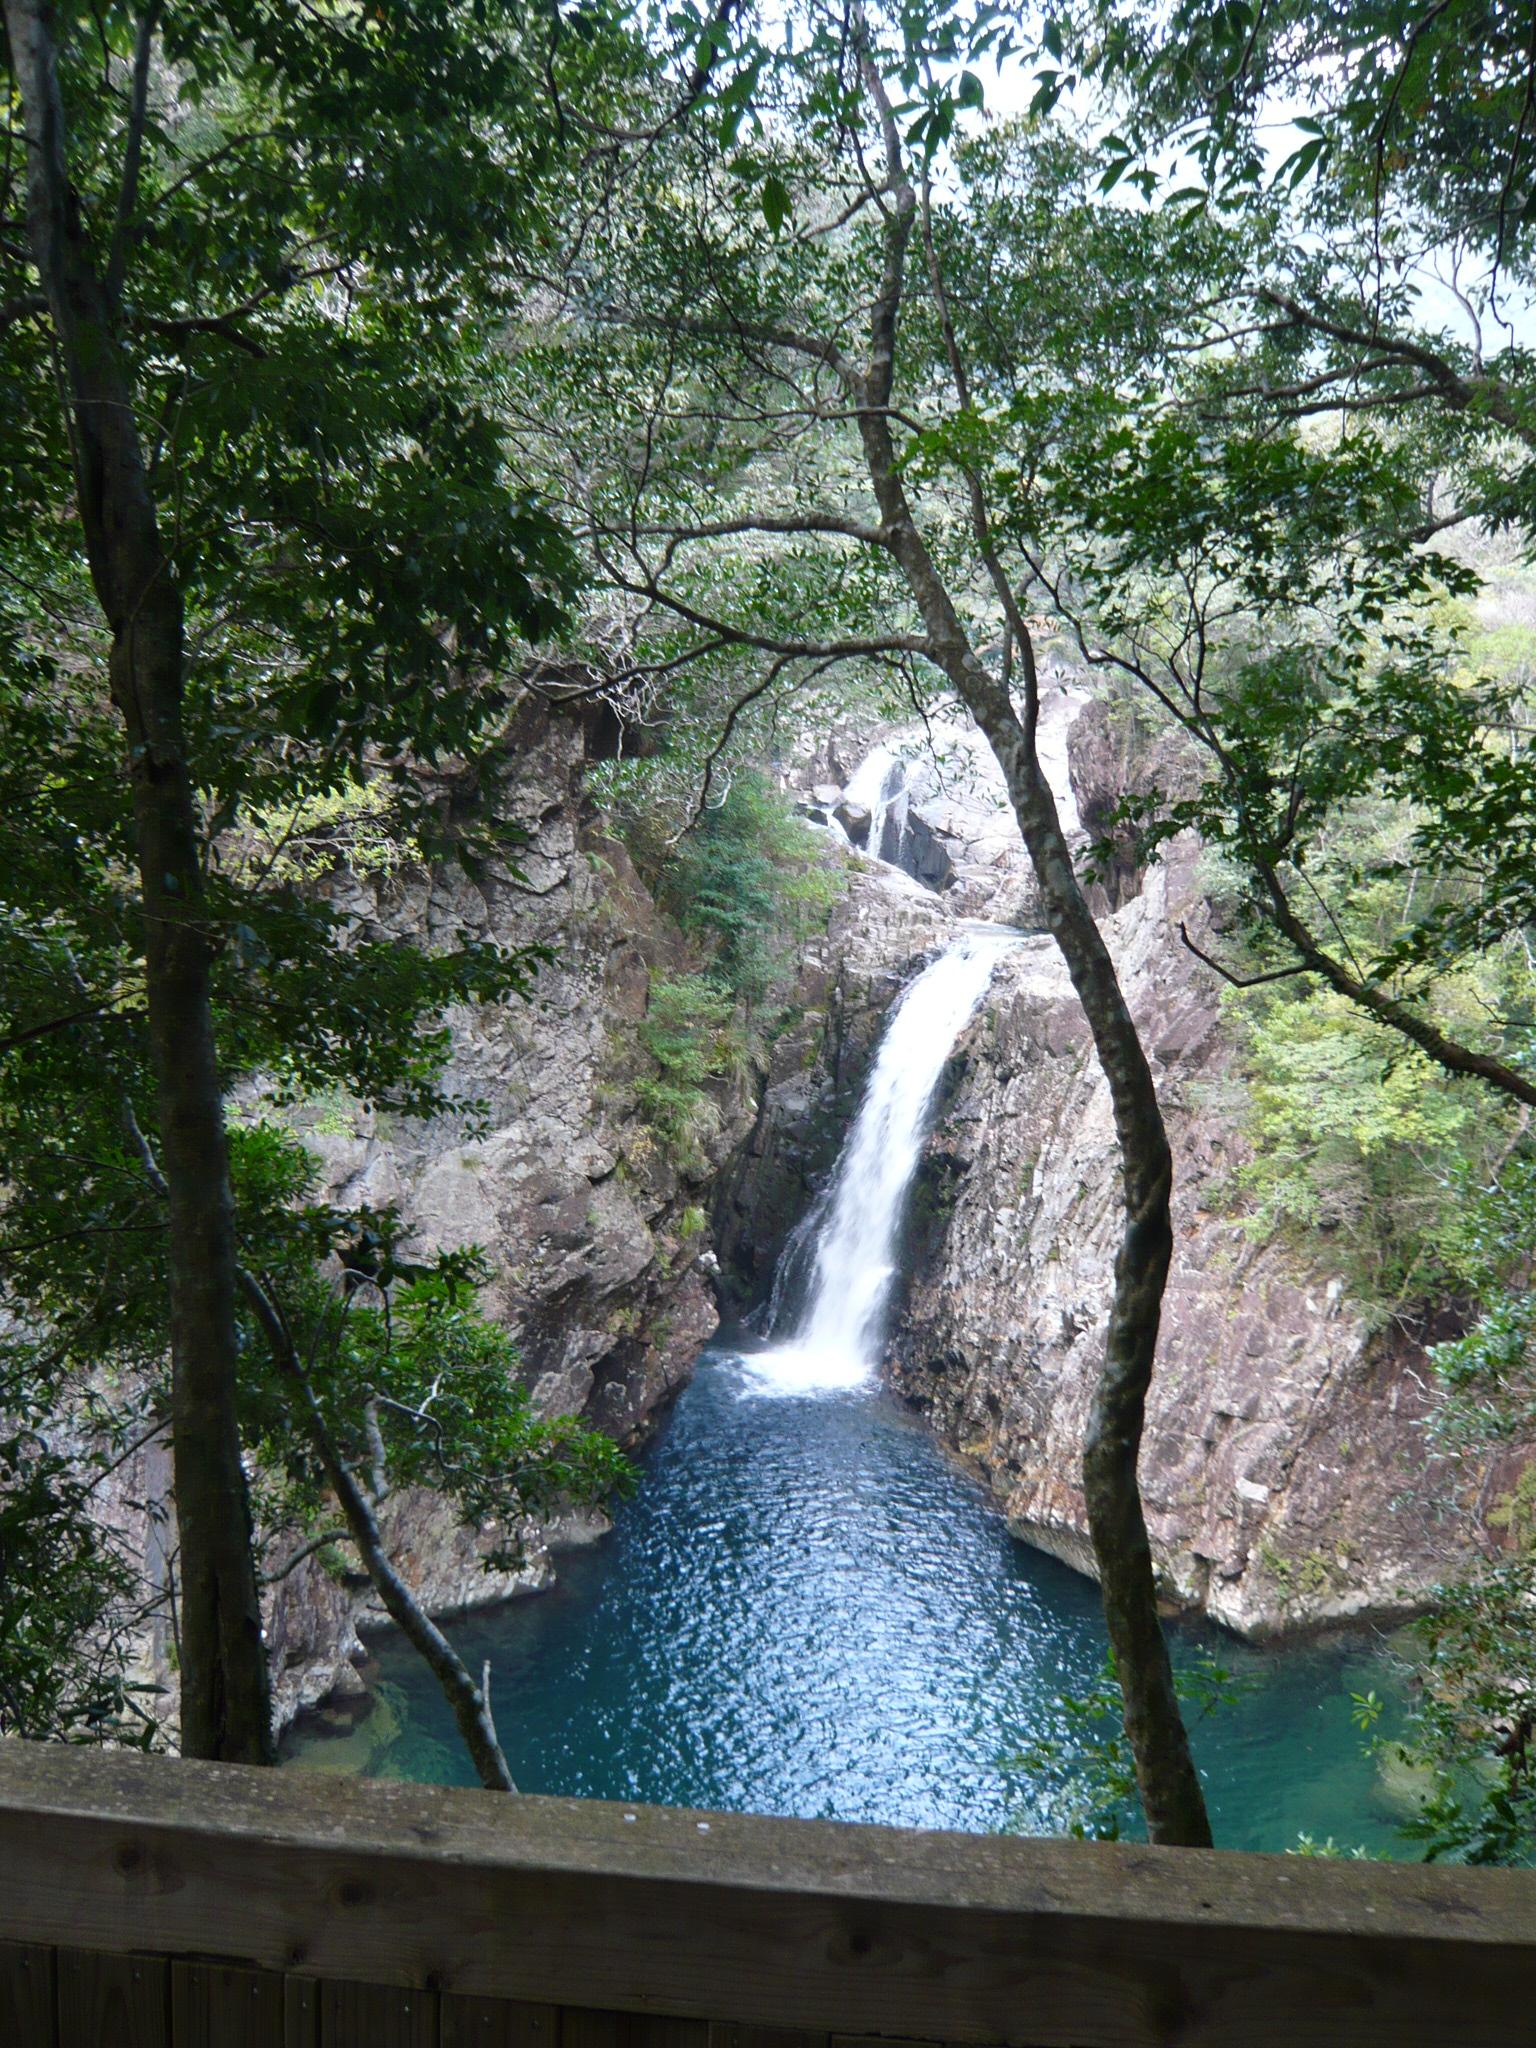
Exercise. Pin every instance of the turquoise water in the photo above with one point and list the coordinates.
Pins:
(809, 1609)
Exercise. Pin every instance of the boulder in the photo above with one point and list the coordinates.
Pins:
(855, 820)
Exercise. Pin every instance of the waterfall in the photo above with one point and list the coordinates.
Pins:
(880, 784)
(838, 1339)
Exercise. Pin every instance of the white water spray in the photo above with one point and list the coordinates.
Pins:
(878, 784)
(838, 1341)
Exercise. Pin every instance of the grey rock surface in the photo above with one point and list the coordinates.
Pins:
(1284, 1467)
(929, 799)
(553, 1168)
(1285, 1471)
(594, 1228)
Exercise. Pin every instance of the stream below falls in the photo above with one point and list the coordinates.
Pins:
(810, 1608)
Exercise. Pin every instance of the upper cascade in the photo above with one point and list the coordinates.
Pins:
(930, 799)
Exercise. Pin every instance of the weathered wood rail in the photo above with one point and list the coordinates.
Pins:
(146, 1903)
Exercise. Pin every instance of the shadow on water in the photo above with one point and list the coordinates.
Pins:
(810, 1609)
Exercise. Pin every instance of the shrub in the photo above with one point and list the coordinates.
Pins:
(749, 882)
(689, 1030)
(1357, 1136)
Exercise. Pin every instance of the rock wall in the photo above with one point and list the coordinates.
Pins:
(930, 800)
(1284, 1467)
(592, 1222)
(1283, 1470)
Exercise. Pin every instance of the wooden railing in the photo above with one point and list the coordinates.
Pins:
(146, 1903)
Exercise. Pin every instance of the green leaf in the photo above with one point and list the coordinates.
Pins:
(775, 201)
(1302, 161)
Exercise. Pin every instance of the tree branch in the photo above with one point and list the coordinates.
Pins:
(133, 153)
(321, 1542)
(1459, 392)
(464, 1697)
(1240, 980)
(810, 521)
(742, 703)
(1447, 1053)
(11, 1039)
(739, 636)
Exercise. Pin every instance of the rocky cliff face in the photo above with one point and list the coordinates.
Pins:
(590, 1219)
(592, 1222)
(1284, 1466)
(1283, 1469)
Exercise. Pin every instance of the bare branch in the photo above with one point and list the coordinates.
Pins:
(133, 152)
(11, 1039)
(788, 523)
(1446, 1052)
(712, 40)
(463, 1695)
(145, 1151)
(1240, 980)
(323, 1541)
(1461, 393)
(739, 636)
(220, 324)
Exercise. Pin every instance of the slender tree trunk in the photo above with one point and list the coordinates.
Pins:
(1165, 1774)
(225, 1709)
(1166, 1778)
(469, 1703)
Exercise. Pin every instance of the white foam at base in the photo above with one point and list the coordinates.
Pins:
(795, 1369)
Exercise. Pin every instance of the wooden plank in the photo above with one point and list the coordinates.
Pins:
(108, 2001)
(582, 2027)
(141, 1804)
(877, 2041)
(376, 2016)
(727, 2034)
(216, 2006)
(498, 2023)
(301, 2013)
(27, 2008)
(808, 1926)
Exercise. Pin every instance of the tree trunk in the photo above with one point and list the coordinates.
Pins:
(225, 1709)
(1165, 1773)
(1166, 1778)
(470, 1704)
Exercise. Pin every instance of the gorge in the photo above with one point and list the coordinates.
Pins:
(810, 1611)
(768, 925)
(796, 1524)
